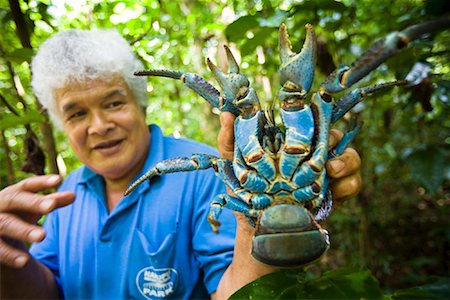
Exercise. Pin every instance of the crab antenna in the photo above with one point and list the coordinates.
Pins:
(298, 68)
(233, 66)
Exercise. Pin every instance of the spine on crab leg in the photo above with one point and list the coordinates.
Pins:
(344, 77)
(177, 164)
(198, 85)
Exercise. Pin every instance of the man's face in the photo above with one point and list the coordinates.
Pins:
(105, 126)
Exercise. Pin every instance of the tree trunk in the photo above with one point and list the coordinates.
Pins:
(49, 144)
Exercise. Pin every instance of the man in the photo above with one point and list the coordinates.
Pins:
(95, 243)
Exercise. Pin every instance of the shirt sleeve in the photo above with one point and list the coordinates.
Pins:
(46, 251)
(213, 251)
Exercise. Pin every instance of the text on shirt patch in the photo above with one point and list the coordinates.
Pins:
(156, 283)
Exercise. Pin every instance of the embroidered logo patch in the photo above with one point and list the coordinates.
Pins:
(156, 283)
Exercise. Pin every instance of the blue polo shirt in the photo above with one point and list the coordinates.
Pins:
(155, 243)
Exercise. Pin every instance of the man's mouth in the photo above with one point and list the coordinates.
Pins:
(108, 144)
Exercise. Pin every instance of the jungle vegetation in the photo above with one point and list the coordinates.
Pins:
(393, 236)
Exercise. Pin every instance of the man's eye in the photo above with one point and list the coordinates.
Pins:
(114, 104)
(77, 114)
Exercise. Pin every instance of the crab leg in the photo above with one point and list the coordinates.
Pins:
(349, 100)
(177, 164)
(198, 85)
(229, 202)
(312, 168)
(344, 77)
(248, 178)
(311, 191)
(297, 74)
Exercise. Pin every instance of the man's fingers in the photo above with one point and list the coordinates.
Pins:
(13, 227)
(225, 138)
(12, 257)
(39, 183)
(334, 137)
(17, 200)
(346, 188)
(344, 165)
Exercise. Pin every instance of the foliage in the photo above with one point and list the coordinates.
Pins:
(397, 227)
(344, 283)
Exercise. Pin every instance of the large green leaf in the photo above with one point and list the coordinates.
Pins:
(436, 288)
(428, 165)
(336, 284)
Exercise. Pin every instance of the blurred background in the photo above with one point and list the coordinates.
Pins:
(397, 227)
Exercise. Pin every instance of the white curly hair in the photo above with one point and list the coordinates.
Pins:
(79, 55)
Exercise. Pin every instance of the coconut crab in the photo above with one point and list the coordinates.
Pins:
(277, 175)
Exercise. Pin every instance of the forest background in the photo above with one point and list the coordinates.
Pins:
(397, 228)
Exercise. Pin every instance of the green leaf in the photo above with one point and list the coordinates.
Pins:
(13, 121)
(20, 55)
(427, 165)
(238, 29)
(436, 288)
(343, 284)
(272, 286)
(336, 284)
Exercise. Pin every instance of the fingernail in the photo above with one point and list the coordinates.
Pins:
(337, 165)
(35, 235)
(20, 261)
(46, 204)
(53, 179)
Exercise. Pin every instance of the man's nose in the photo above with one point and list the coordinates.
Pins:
(100, 124)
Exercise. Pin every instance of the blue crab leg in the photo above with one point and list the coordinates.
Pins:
(312, 168)
(350, 99)
(248, 178)
(297, 74)
(247, 133)
(344, 77)
(299, 134)
(198, 85)
(311, 191)
(177, 164)
(225, 172)
(229, 202)
(345, 141)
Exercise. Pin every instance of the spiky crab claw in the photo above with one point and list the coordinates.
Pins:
(297, 69)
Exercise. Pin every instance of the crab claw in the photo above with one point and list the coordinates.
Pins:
(297, 69)
(234, 84)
